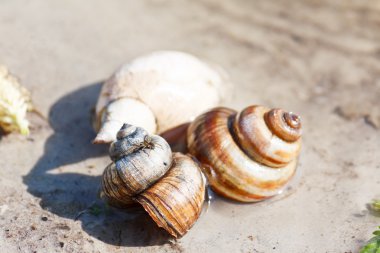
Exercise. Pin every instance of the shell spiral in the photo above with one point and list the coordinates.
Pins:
(157, 91)
(170, 187)
(247, 156)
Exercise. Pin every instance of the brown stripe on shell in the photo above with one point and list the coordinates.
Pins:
(257, 140)
(112, 189)
(228, 161)
(175, 201)
(285, 125)
(210, 140)
(139, 161)
(142, 168)
(227, 189)
(250, 139)
(209, 134)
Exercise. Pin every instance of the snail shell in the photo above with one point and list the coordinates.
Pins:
(157, 92)
(15, 102)
(170, 187)
(248, 156)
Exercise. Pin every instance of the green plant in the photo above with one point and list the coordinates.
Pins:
(376, 205)
(373, 245)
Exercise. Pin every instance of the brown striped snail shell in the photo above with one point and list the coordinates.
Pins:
(248, 156)
(170, 187)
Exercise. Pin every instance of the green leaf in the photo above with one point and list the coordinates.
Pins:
(376, 205)
(373, 245)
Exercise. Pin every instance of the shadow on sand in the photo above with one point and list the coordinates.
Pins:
(75, 195)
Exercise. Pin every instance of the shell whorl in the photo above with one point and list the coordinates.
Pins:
(135, 154)
(181, 195)
(269, 136)
(170, 187)
(245, 158)
(157, 91)
(285, 125)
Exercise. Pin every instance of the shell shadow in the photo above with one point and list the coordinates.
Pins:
(68, 194)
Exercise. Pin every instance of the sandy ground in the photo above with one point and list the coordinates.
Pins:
(320, 59)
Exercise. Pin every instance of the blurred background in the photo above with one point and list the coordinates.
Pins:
(320, 59)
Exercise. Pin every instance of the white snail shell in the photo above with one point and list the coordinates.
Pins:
(157, 91)
(248, 156)
(170, 187)
(15, 101)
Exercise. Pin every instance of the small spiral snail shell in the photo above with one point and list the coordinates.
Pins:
(170, 187)
(248, 156)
